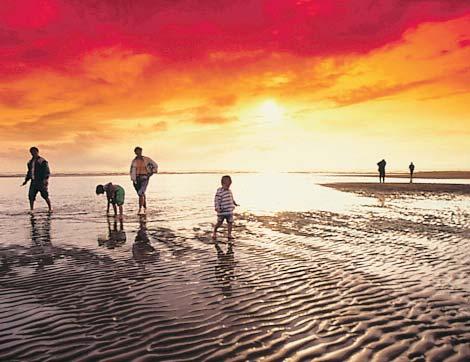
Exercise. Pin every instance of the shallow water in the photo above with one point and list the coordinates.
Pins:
(314, 273)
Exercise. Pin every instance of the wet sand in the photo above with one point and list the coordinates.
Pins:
(306, 286)
(369, 283)
(371, 189)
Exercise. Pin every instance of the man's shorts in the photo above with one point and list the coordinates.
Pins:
(228, 217)
(119, 196)
(141, 185)
(38, 186)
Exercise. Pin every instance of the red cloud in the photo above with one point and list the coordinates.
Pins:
(464, 43)
(37, 33)
(28, 14)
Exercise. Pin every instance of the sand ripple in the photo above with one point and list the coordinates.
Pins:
(294, 286)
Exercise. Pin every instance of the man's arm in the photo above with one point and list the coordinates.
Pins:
(132, 172)
(28, 176)
(47, 170)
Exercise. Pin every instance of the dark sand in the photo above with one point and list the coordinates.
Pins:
(369, 188)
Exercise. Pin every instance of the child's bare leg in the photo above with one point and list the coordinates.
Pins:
(229, 229)
(217, 225)
(115, 209)
(120, 211)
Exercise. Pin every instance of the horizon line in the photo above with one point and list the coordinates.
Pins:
(344, 173)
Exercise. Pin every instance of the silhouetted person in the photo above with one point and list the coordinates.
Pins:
(38, 173)
(142, 168)
(382, 165)
(412, 170)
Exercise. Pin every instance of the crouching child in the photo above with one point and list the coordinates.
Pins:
(115, 195)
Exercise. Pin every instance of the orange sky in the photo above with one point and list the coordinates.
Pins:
(253, 85)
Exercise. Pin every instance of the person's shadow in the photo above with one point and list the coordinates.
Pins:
(41, 248)
(116, 236)
(142, 250)
(225, 268)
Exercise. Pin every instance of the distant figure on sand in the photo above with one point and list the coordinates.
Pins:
(115, 195)
(142, 168)
(412, 170)
(382, 165)
(38, 173)
(224, 206)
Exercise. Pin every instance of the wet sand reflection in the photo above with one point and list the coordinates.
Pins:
(142, 250)
(116, 236)
(225, 268)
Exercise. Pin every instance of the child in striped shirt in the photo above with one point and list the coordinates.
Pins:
(224, 206)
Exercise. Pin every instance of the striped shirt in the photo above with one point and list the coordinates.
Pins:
(223, 201)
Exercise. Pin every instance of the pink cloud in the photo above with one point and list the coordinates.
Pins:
(51, 32)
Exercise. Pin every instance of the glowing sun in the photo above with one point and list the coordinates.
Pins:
(271, 111)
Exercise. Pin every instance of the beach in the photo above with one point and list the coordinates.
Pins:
(396, 188)
(375, 273)
(430, 175)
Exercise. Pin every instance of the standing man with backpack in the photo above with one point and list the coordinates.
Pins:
(38, 173)
(142, 168)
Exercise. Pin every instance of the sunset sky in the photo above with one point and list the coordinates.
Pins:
(236, 84)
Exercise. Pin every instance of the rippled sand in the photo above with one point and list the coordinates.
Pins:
(381, 281)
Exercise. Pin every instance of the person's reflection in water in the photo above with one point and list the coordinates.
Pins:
(142, 250)
(381, 200)
(225, 268)
(116, 237)
(41, 240)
